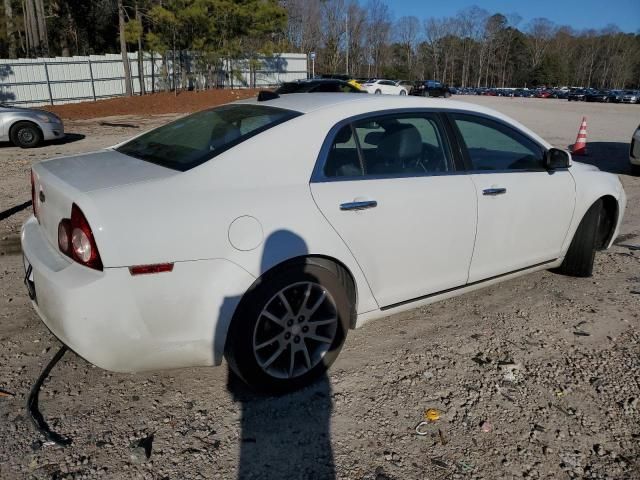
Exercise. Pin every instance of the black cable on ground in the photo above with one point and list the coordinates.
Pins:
(13, 210)
(32, 403)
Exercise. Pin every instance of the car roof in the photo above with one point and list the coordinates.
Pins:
(347, 104)
(309, 102)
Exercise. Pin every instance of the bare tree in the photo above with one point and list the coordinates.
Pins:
(378, 33)
(407, 31)
(8, 13)
(541, 32)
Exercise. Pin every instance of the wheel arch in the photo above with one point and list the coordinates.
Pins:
(18, 122)
(324, 261)
(608, 221)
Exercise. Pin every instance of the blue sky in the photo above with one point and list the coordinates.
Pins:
(579, 14)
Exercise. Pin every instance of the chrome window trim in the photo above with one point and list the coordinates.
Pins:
(318, 176)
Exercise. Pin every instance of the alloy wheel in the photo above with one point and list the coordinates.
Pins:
(295, 330)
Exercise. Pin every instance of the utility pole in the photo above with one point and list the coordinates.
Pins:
(123, 51)
(346, 31)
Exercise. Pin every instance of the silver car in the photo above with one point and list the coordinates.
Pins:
(631, 96)
(28, 127)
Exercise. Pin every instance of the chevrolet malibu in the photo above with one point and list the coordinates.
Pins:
(263, 230)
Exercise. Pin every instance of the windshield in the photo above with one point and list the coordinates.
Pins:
(191, 141)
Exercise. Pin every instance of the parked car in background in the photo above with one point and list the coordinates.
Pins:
(597, 96)
(379, 205)
(406, 84)
(430, 88)
(29, 127)
(631, 96)
(317, 85)
(634, 152)
(543, 94)
(615, 96)
(347, 78)
(576, 95)
(384, 87)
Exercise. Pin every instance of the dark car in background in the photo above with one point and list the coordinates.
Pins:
(317, 85)
(576, 95)
(430, 88)
(615, 96)
(597, 96)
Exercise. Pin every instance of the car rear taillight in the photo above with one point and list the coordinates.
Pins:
(75, 239)
(34, 203)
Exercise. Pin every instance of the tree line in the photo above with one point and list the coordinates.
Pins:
(473, 48)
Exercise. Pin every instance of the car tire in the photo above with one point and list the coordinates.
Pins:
(25, 135)
(578, 261)
(248, 351)
(447, 94)
(403, 92)
(635, 169)
(378, 92)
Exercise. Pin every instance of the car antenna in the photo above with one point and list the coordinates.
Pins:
(266, 95)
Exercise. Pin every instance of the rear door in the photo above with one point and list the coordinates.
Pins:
(388, 186)
(524, 210)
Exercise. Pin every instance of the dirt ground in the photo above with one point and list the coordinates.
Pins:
(537, 377)
(155, 104)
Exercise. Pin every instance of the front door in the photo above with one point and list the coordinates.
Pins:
(524, 210)
(388, 187)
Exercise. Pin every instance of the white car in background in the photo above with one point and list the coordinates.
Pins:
(263, 230)
(384, 87)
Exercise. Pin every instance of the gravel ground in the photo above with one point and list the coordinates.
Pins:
(538, 377)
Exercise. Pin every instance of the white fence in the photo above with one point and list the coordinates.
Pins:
(31, 82)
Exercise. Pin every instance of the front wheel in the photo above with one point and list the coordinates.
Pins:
(289, 328)
(378, 92)
(25, 135)
(403, 92)
(581, 254)
(447, 94)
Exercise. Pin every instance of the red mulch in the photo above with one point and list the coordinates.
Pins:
(153, 104)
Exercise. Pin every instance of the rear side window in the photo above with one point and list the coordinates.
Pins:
(494, 146)
(195, 139)
(392, 145)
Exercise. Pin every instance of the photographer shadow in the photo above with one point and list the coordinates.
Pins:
(289, 435)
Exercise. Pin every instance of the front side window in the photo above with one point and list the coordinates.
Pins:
(494, 146)
(392, 145)
(195, 139)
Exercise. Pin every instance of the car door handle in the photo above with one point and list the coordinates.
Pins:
(494, 191)
(359, 205)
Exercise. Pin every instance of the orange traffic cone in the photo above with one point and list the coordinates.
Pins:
(580, 147)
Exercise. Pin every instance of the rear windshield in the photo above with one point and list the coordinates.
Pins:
(191, 141)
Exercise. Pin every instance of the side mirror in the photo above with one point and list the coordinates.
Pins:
(556, 159)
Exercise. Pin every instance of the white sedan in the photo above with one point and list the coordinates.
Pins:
(384, 87)
(261, 231)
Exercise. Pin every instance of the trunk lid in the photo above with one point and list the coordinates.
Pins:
(60, 182)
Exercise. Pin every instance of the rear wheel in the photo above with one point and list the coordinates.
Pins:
(25, 135)
(378, 92)
(291, 326)
(579, 259)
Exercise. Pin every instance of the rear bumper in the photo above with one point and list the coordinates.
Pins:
(52, 131)
(124, 323)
